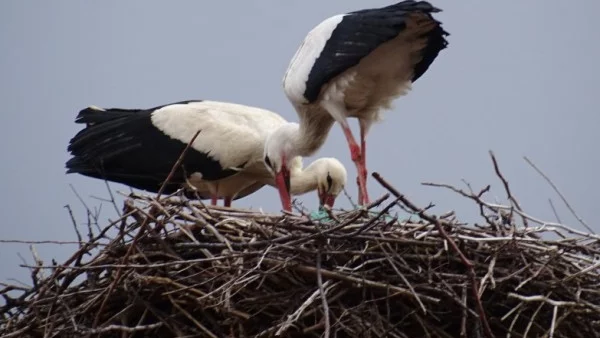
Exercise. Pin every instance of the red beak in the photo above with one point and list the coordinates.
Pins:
(330, 200)
(326, 199)
(282, 180)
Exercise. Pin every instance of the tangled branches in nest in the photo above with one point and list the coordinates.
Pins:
(178, 268)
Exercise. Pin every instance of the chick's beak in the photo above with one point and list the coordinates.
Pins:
(282, 180)
(326, 199)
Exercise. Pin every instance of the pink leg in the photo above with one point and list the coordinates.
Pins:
(363, 158)
(356, 154)
(213, 200)
(360, 195)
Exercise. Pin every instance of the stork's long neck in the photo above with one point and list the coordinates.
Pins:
(303, 181)
(315, 124)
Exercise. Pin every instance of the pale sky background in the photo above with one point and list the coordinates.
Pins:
(519, 78)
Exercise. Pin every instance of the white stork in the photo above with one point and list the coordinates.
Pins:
(138, 147)
(356, 64)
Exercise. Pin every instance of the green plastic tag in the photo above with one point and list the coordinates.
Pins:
(320, 215)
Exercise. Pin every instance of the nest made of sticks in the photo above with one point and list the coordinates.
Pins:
(175, 267)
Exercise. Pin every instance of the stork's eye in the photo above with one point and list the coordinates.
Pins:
(329, 182)
(268, 161)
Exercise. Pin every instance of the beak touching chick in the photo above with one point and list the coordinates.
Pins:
(326, 175)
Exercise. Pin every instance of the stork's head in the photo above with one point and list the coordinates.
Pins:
(329, 176)
(279, 153)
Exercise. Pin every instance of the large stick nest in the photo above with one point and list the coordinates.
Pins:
(175, 267)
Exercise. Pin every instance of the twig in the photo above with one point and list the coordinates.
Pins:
(554, 210)
(562, 197)
(79, 238)
(543, 299)
(16, 241)
(372, 221)
(323, 296)
(463, 322)
(349, 198)
(112, 198)
(553, 323)
(294, 316)
(191, 318)
(176, 165)
(532, 319)
(506, 186)
(405, 280)
(489, 275)
(120, 328)
(584, 271)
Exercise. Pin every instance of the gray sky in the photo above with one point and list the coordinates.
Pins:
(518, 78)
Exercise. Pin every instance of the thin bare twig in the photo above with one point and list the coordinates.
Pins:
(554, 210)
(120, 328)
(323, 296)
(506, 186)
(562, 197)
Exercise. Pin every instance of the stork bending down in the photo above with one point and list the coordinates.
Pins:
(138, 147)
(356, 64)
(326, 175)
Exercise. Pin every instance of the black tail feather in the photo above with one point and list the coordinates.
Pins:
(113, 146)
(124, 146)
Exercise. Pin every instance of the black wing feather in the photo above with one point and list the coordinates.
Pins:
(361, 32)
(122, 145)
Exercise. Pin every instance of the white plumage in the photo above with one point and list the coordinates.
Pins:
(231, 133)
(305, 57)
(138, 147)
(355, 65)
(326, 175)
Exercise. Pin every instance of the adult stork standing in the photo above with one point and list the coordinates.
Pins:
(138, 147)
(356, 64)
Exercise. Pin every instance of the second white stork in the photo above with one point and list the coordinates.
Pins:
(138, 147)
(356, 64)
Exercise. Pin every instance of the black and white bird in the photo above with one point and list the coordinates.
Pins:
(355, 65)
(138, 147)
